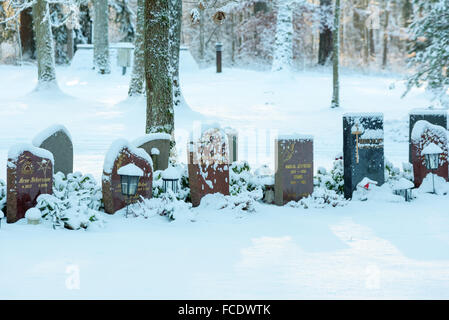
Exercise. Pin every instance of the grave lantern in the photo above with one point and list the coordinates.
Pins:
(432, 154)
(129, 180)
(170, 179)
(403, 187)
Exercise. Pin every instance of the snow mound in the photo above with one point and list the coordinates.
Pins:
(33, 214)
(44, 134)
(170, 173)
(403, 184)
(130, 170)
(441, 185)
(423, 125)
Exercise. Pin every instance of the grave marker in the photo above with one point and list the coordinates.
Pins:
(294, 168)
(423, 134)
(436, 117)
(208, 165)
(363, 149)
(120, 154)
(157, 145)
(29, 174)
(57, 140)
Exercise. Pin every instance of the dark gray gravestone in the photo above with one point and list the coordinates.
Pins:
(233, 139)
(57, 140)
(293, 179)
(157, 145)
(436, 117)
(363, 149)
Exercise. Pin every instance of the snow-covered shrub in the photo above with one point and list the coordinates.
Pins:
(320, 198)
(242, 180)
(245, 201)
(75, 202)
(2, 194)
(393, 174)
(333, 179)
(167, 204)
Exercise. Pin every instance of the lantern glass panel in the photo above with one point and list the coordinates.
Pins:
(124, 182)
(133, 184)
(432, 160)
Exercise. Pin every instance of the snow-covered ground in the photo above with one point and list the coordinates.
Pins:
(369, 249)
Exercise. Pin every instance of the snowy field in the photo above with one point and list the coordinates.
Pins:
(364, 250)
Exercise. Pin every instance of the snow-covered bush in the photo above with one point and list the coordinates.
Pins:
(2, 194)
(75, 202)
(245, 201)
(333, 179)
(320, 198)
(167, 204)
(393, 174)
(242, 180)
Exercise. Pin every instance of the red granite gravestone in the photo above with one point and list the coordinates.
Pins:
(423, 134)
(208, 165)
(120, 154)
(294, 168)
(29, 174)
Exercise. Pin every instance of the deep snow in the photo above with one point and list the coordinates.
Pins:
(372, 249)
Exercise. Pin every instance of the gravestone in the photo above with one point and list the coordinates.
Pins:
(423, 134)
(363, 149)
(233, 139)
(436, 117)
(57, 140)
(208, 165)
(29, 174)
(157, 145)
(120, 154)
(293, 179)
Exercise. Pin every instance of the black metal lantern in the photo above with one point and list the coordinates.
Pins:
(403, 187)
(431, 155)
(129, 180)
(170, 180)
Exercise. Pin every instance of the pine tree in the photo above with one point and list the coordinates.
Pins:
(336, 56)
(160, 116)
(136, 86)
(429, 55)
(101, 41)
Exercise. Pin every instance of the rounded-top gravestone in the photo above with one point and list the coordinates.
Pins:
(29, 174)
(120, 154)
(208, 164)
(57, 140)
(157, 145)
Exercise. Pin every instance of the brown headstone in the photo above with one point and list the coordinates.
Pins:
(153, 141)
(120, 154)
(29, 174)
(294, 169)
(423, 134)
(208, 165)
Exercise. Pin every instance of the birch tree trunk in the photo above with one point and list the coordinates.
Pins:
(175, 43)
(44, 46)
(101, 41)
(336, 55)
(160, 116)
(136, 86)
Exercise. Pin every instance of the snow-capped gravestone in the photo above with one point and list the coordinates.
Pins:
(29, 174)
(435, 117)
(233, 139)
(208, 165)
(157, 145)
(120, 154)
(363, 149)
(424, 134)
(57, 140)
(293, 179)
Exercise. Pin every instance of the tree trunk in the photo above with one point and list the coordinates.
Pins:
(44, 46)
(101, 41)
(160, 116)
(386, 36)
(325, 45)
(175, 43)
(70, 45)
(283, 44)
(136, 86)
(201, 35)
(336, 53)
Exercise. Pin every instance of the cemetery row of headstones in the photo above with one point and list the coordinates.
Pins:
(30, 166)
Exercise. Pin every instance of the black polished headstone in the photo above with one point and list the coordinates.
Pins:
(363, 149)
(436, 117)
